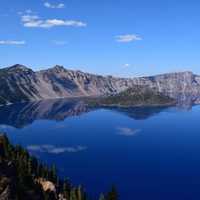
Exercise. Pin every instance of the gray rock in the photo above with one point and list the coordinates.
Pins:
(19, 83)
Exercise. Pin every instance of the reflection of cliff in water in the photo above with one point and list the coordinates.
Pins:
(139, 113)
(183, 103)
(22, 114)
(187, 101)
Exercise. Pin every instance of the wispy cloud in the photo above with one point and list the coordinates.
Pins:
(34, 21)
(59, 42)
(126, 65)
(51, 149)
(125, 131)
(28, 11)
(54, 6)
(127, 38)
(12, 42)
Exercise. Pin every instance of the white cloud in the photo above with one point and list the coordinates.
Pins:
(34, 21)
(28, 18)
(125, 131)
(20, 13)
(127, 38)
(51, 149)
(28, 12)
(126, 65)
(59, 42)
(12, 42)
(54, 6)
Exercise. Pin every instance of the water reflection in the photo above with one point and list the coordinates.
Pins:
(141, 150)
(141, 113)
(22, 114)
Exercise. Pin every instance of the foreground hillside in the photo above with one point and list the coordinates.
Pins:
(19, 83)
(135, 96)
(22, 177)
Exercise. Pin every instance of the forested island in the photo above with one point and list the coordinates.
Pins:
(23, 177)
(135, 96)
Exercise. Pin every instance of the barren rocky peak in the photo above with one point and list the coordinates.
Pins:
(18, 67)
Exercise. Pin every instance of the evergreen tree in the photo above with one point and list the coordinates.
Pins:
(30, 166)
(73, 194)
(102, 197)
(79, 193)
(65, 189)
(29, 171)
(54, 172)
(112, 195)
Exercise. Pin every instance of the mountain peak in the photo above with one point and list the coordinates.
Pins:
(184, 72)
(18, 67)
(59, 67)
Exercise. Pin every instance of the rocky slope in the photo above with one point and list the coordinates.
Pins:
(19, 83)
(182, 86)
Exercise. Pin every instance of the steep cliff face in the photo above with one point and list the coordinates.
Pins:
(19, 83)
(61, 82)
(174, 84)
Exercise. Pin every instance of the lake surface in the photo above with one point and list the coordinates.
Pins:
(147, 153)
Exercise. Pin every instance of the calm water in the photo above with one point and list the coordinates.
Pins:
(147, 153)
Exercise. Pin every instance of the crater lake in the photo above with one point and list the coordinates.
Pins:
(145, 152)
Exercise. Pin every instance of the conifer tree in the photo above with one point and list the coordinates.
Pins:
(73, 194)
(54, 172)
(112, 195)
(65, 189)
(29, 166)
(79, 193)
(102, 197)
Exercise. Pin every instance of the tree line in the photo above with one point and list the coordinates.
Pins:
(28, 170)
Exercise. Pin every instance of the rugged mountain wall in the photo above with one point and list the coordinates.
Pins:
(176, 85)
(19, 83)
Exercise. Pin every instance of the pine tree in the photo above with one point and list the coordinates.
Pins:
(102, 197)
(28, 170)
(65, 189)
(112, 195)
(30, 166)
(79, 193)
(54, 172)
(73, 194)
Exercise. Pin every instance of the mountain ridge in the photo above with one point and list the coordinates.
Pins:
(61, 67)
(19, 83)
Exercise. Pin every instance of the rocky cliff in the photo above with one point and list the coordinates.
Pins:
(19, 83)
(182, 86)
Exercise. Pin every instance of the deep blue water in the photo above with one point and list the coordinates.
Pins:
(147, 153)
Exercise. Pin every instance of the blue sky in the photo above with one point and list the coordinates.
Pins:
(116, 37)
